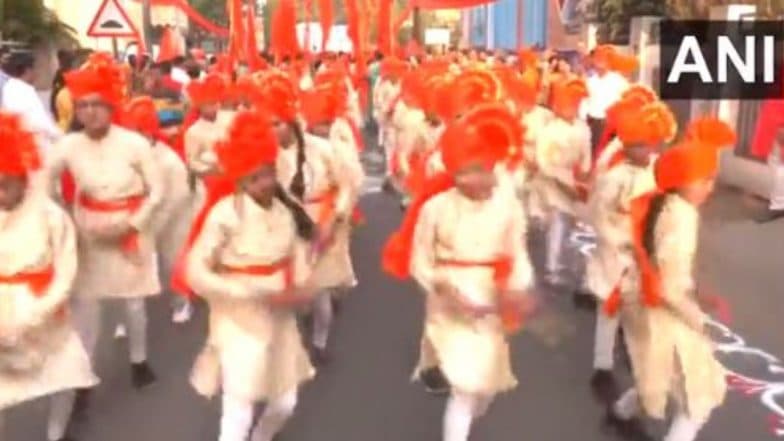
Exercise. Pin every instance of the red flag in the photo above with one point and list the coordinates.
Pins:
(326, 17)
(385, 27)
(236, 30)
(284, 30)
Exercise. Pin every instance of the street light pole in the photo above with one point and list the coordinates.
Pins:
(147, 24)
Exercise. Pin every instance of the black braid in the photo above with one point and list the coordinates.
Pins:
(306, 228)
(297, 186)
(649, 233)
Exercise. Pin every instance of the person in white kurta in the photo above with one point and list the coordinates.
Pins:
(628, 176)
(563, 157)
(664, 325)
(40, 351)
(172, 221)
(466, 252)
(114, 215)
(248, 262)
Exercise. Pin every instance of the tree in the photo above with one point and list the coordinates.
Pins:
(614, 16)
(32, 23)
(214, 10)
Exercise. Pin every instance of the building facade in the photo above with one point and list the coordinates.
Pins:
(506, 24)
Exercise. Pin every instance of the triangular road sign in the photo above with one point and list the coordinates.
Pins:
(111, 20)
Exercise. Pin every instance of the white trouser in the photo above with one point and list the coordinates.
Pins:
(237, 418)
(61, 407)
(88, 319)
(557, 233)
(777, 185)
(682, 428)
(461, 410)
(322, 318)
(604, 341)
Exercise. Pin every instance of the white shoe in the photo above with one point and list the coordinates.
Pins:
(183, 313)
(120, 332)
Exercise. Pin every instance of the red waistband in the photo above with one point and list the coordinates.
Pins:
(284, 265)
(37, 281)
(129, 203)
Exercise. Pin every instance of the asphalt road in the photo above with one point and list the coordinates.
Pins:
(366, 393)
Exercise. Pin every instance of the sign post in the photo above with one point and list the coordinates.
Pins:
(111, 21)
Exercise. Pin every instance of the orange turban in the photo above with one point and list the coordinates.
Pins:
(18, 151)
(615, 60)
(278, 95)
(567, 93)
(711, 131)
(99, 80)
(322, 104)
(650, 125)
(494, 129)
(462, 144)
(476, 86)
(437, 96)
(251, 143)
(210, 90)
(142, 116)
(527, 58)
(686, 163)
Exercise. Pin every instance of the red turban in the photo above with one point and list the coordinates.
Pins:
(142, 116)
(484, 136)
(18, 151)
(210, 90)
(278, 95)
(649, 125)
(251, 143)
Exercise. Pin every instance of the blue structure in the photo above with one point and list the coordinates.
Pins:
(509, 24)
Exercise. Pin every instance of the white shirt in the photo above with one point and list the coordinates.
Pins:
(22, 99)
(603, 92)
(179, 75)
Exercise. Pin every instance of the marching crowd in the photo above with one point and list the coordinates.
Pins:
(249, 206)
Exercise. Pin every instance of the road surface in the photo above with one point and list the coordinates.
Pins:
(366, 393)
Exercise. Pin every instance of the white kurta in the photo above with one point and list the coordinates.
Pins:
(258, 347)
(326, 183)
(33, 332)
(609, 210)
(562, 147)
(200, 139)
(672, 355)
(172, 221)
(472, 353)
(119, 166)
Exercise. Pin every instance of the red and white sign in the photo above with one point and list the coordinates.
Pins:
(111, 20)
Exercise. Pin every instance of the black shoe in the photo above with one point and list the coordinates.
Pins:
(769, 216)
(631, 430)
(142, 375)
(388, 186)
(583, 299)
(319, 356)
(435, 382)
(604, 386)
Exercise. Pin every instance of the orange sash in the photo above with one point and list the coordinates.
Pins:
(130, 243)
(511, 318)
(285, 265)
(326, 202)
(37, 281)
